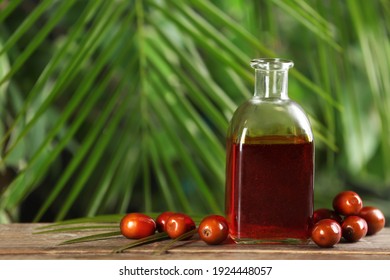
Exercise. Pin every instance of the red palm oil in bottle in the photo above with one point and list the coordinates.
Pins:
(270, 163)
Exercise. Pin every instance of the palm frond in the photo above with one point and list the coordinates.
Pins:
(115, 106)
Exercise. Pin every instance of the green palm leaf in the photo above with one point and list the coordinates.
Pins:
(115, 106)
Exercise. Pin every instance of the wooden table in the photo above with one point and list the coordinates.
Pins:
(18, 241)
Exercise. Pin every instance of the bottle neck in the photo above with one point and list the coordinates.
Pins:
(271, 83)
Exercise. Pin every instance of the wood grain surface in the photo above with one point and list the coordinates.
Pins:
(18, 241)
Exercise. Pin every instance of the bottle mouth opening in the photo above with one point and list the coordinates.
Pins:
(268, 64)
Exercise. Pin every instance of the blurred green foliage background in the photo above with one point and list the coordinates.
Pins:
(116, 106)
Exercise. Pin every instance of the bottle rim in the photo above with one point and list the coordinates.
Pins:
(271, 64)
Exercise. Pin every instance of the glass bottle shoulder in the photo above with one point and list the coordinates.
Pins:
(270, 117)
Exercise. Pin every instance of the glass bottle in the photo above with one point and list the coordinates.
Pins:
(270, 163)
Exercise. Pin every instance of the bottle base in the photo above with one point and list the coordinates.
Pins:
(285, 241)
